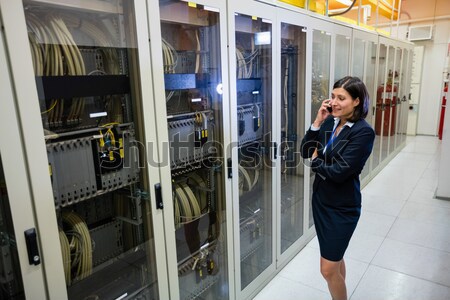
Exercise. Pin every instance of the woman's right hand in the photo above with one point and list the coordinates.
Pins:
(323, 113)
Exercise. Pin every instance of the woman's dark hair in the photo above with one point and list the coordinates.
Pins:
(357, 89)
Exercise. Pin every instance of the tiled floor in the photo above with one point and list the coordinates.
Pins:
(401, 247)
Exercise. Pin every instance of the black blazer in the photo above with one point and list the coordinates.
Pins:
(337, 170)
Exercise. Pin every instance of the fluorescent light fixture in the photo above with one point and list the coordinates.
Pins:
(266, 21)
(213, 9)
(255, 92)
(345, 2)
(196, 100)
(99, 114)
(262, 38)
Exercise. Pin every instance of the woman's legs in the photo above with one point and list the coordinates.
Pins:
(334, 274)
(342, 269)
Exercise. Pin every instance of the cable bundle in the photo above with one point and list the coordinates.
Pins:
(170, 57)
(80, 245)
(65, 249)
(245, 63)
(55, 53)
(186, 204)
(197, 183)
(246, 182)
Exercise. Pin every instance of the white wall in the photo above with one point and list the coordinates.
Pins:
(433, 66)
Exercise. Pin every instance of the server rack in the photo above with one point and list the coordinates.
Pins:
(87, 78)
(291, 211)
(193, 122)
(191, 103)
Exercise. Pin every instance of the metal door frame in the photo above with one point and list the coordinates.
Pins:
(168, 229)
(251, 8)
(35, 151)
(292, 18)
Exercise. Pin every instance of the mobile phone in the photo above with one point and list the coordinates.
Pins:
(330, 110)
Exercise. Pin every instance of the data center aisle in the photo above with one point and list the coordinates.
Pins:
(401, 247)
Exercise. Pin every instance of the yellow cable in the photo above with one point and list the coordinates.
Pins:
(51, 108)
(65, 249)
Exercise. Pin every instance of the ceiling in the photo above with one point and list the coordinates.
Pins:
(410, 10)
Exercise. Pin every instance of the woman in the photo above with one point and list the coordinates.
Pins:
(338, 143)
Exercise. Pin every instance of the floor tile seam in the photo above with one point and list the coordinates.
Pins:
(410, 275)
(381, 213)
(302, 283)
(417, 245)
(431, 204)
(360, 279)
(426, 222)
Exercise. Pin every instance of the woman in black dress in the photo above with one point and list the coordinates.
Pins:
(338, 143)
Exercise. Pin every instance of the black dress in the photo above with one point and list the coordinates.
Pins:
(336, 200)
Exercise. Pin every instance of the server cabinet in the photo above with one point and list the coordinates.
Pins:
(90, 88)
(364, 59)
(252, 73)
(386, 95)
(189, 59)
(291, 42)
(342, 55)
(404, 94)
(325, 54)
(397, 82)
(380, 142)
(20, 278)
(10, 271)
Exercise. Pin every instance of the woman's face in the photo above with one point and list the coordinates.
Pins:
(342, 103)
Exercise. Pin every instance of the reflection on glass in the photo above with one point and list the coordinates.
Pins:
(320, 83)
(85, 58)
(341, 57)
(254, 108)
(293, 45)
(387, 95)
(192, 77)
(10, 275)
(403, 97)
(395, 105)
(380, 107)
(369, 80)
(358, 58)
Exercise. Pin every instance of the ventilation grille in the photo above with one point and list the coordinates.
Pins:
(420, 33)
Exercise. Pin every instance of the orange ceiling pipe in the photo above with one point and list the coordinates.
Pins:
(385, 7)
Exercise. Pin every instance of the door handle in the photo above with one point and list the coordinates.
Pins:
(158, 196)
(32, 247)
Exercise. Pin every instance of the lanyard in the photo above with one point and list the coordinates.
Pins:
(332, 138)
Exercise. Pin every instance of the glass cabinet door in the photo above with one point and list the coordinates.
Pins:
(320, 89)
(358, 61)
(380, 106)
(293, 64)
(400, 96)
(86, 65)
(10, 272)
(253, 99)
(363, 64)
(342, 53)
(369, 80)
(388, 106)
(192, 63)
(403, 96)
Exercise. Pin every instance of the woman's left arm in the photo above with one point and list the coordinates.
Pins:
(349, 161)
